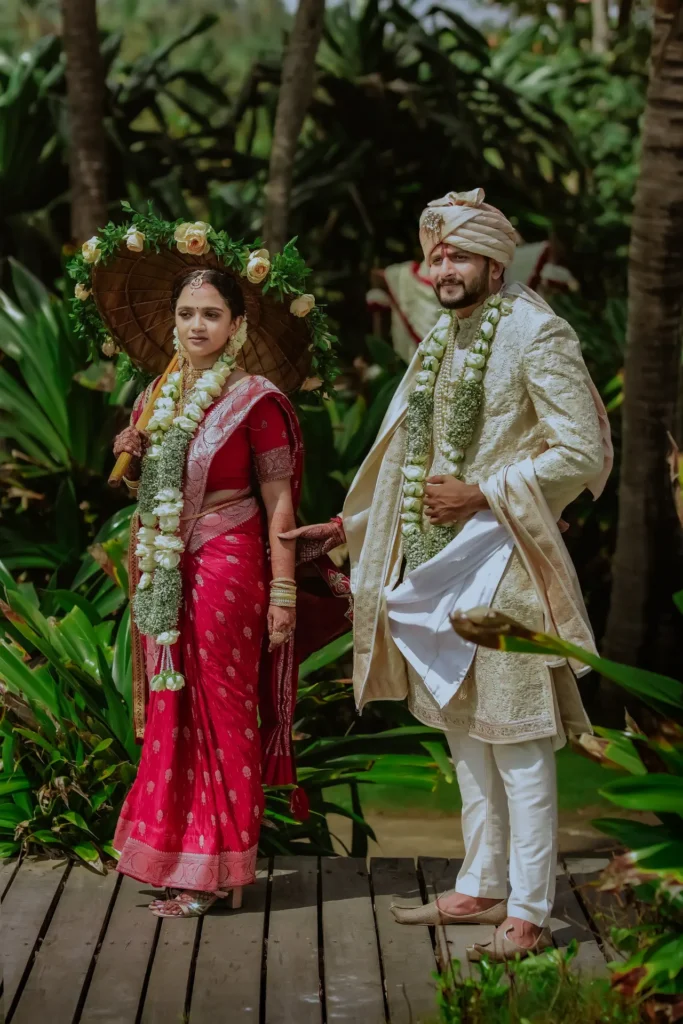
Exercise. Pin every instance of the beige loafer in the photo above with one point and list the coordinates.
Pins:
(500, 948)
(432, 914)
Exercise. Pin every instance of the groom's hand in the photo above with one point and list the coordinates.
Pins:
(449, 500)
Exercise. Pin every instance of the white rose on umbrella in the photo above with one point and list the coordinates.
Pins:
(192, 237)
(81, 292)
(109, 348)
(303, 305)
(135, 240)
(91, 251)
(258, 266)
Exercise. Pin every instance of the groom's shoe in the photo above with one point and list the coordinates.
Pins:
(432, 914)
(501, 948)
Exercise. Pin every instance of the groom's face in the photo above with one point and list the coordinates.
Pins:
(460, 279)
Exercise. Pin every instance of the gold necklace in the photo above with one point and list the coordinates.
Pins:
(188, 379)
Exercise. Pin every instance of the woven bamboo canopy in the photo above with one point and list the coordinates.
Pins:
(133, 296)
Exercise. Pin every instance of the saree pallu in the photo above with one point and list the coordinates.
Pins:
(193, 816)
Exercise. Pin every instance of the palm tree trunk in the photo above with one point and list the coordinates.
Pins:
(85, 105)
(643, 627)
(600, 41)
(296, 89)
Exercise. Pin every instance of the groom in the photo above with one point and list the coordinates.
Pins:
(495, 428)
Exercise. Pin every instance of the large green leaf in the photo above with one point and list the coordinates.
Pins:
(654, 792)
(326, 656)
(13, 784)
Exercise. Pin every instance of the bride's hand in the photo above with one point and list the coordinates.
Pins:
(131, 441)
(281, 623)
(317, 539)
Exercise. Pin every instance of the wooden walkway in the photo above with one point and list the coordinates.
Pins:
(315, 943)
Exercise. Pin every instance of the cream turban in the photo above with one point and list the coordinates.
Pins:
(465, 220)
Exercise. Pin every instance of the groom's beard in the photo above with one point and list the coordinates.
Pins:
(454, 294)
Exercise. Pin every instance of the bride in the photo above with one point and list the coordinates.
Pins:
(217, 474)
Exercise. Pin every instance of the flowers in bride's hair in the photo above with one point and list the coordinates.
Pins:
(91, 250)
(258, 266)
(192, 237)
(135, 239)
(302, 305)
(109, 348)
(239, 338)
(81, 292)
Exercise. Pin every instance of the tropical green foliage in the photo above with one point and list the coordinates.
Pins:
(165, 131)
(539, 990)
(57, 420)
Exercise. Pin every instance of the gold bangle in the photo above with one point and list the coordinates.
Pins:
(282, 579)
(280, 602)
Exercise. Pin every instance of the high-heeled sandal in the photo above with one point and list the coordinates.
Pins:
(194, 904)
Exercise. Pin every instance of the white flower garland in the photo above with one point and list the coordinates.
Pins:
(159, 544)
(421, 544)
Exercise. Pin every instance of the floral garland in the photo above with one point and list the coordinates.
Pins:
(421, 541)
(159, 590)
(285, 273)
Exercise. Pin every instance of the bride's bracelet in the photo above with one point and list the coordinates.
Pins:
(283, 592)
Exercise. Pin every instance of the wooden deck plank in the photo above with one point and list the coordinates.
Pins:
(63, 960)
(168, 981)
(227, 983)
(439, 875)
(353, 979)
(605, 909)
(8, 869)
(407, 955)
(292, 976)
(116, 986)
(569, 922)
(23, 912)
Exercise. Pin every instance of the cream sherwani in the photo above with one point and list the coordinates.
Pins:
(539, 442)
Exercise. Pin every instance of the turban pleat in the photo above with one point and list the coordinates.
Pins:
(464, 220)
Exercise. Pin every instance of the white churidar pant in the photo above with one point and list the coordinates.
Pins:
(508, 789)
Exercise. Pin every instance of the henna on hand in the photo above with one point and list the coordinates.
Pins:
(317, 539)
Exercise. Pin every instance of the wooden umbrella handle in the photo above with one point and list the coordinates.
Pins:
(124, 460)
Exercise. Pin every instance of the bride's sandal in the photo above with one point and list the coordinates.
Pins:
(193, 904)
(185, 904)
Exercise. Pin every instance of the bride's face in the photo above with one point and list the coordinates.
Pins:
(205, 323)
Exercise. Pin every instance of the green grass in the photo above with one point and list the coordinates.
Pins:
(578, 781)
(540, 990)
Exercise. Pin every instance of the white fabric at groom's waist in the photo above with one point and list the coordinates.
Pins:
(466, 573)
